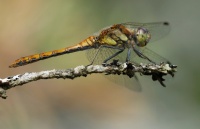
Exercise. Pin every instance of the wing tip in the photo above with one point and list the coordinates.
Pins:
(166, 23)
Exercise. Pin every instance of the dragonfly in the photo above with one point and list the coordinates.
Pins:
(121, 41)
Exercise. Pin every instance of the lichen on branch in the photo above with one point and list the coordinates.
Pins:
(157, 71)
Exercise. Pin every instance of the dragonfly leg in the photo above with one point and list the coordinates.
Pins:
(121, 49)
(156, 56)
(115, 54)
(128, 55)
(140, 54)
(105, 46)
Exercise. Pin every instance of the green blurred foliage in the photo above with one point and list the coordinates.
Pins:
(34, 26)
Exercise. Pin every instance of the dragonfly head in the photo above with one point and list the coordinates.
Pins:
(142, 37)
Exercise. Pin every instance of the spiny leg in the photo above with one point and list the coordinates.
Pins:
(156, 56)
(105, 46)
(140, 54)
(115, 54)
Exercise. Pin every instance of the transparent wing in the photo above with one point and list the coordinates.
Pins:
(130, 83)
(123, 80)
(103, 54)
(150, 54)
(158, 30)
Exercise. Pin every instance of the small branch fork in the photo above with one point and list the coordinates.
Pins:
(157, 71)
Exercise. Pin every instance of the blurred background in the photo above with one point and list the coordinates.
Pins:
(34, 26)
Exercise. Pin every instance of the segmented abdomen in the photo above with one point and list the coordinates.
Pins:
(85, 44)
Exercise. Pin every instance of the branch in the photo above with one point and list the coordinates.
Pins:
(129, 69)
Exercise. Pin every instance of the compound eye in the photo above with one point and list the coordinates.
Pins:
(142, 31)
(143, 36)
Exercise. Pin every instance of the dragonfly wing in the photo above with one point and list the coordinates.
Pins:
(150, 54)
(105, 53)
(123, 80)
(158, 30)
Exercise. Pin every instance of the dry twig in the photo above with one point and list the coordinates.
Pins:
(156, 71)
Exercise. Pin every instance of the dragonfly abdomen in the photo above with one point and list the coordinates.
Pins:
(86, 44)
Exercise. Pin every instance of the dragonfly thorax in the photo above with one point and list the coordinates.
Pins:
(142, 36)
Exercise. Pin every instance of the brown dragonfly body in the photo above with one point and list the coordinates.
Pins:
(118, 36)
